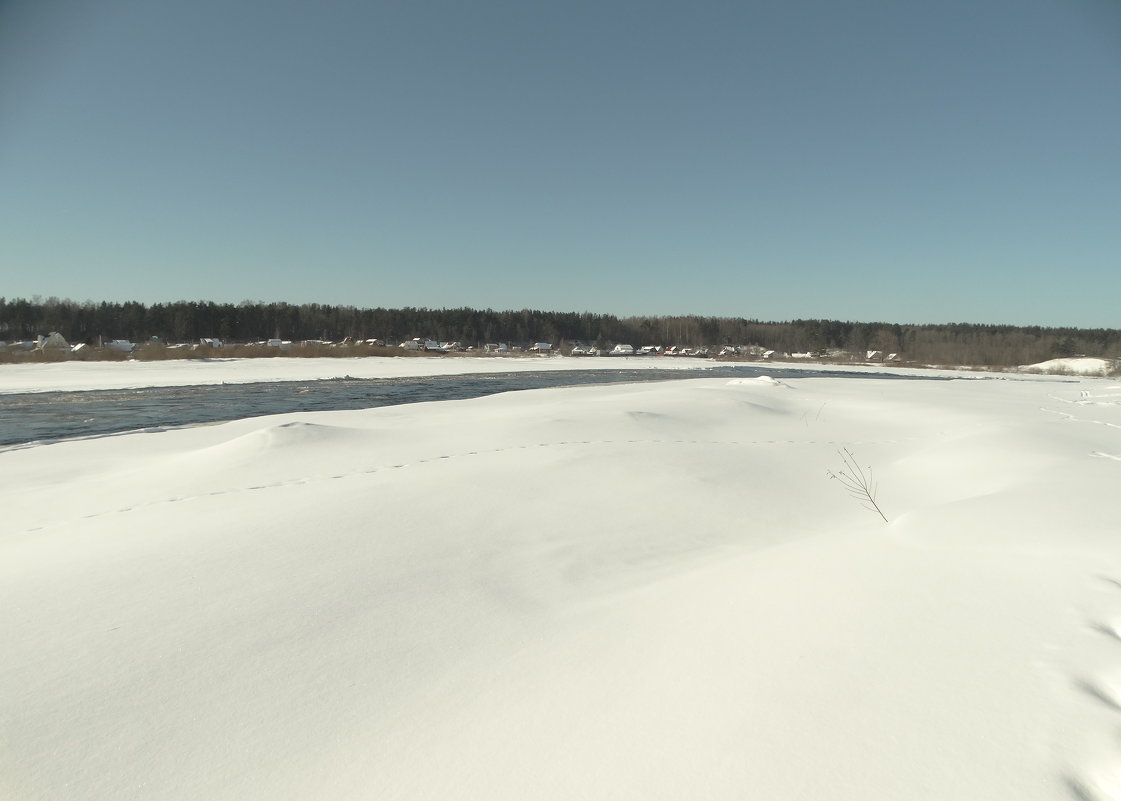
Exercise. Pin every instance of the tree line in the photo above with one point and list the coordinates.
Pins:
(188, 321)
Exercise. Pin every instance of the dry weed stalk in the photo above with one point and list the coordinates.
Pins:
(856, 483)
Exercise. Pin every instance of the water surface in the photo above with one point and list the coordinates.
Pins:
(51, 416)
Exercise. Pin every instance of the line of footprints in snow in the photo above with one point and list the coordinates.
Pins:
(1101, 781)
(1089, 399)
(436, 459)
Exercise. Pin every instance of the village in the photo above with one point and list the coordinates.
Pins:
(55, 347)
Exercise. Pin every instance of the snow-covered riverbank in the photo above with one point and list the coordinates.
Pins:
(631, 591)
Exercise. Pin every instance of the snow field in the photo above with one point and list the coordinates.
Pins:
(630, 591)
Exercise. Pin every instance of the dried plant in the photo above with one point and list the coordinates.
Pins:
(857, 483)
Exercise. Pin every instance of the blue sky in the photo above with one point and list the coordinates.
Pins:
(876, 160)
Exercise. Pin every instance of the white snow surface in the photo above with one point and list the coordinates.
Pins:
(1077, 365)
(645, 591)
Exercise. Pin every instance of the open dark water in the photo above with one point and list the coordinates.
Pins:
(51, 416)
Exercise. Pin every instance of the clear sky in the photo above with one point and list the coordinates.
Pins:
(876, 160)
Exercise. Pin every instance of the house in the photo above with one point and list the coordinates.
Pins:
(541, 347)
(500, 347)
(52, 341)
(123, 345)
(413, 344)
(622, 350)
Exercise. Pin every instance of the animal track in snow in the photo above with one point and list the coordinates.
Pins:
(1070, 418)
